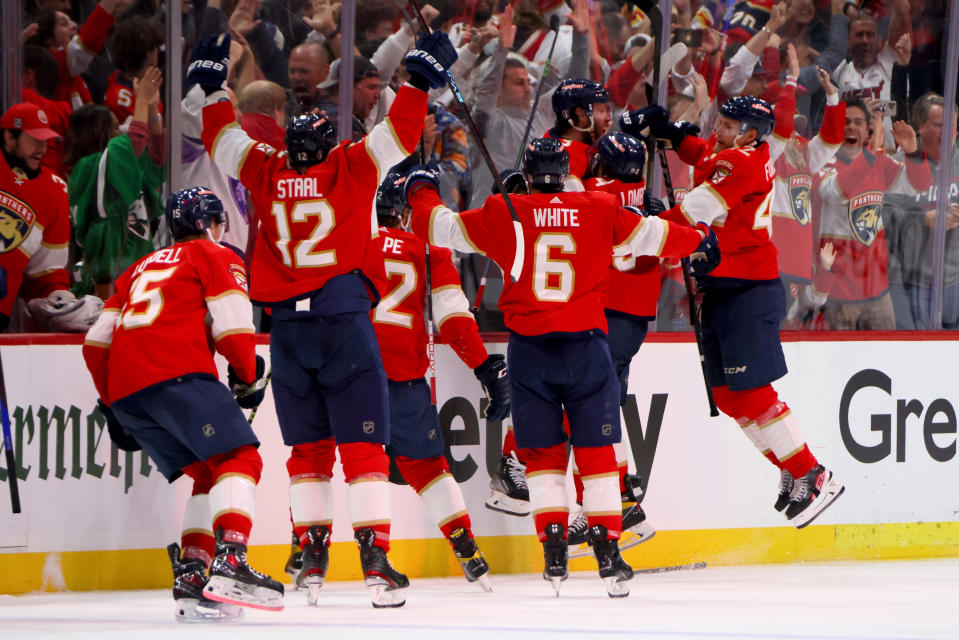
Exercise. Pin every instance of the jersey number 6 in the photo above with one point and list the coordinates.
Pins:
(552, 278)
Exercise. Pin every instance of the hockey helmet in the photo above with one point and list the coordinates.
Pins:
(513, 180)
(391, 196)
(190, 212)
(309, 138)
(546, 163)
(751, 112)
(623, 156)
(570, 94)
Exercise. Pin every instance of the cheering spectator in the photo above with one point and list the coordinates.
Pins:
(308, 66)
(134, 47)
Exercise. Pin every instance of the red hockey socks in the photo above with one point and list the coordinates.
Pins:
(311, 495)
(441, 495)
(196, 537)
(601, 494)
(232, 497)
(367, 469)
(546, 479)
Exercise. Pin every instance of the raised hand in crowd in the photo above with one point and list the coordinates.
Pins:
(325, 17)
(147, 92)
(242, 20)
(777, 17)
(827, 255)
(825, 81)
(479, 37)
(430, 133)
(904, 49)
(904, 136)
(792, 60)
(579, 18)
(506, 28)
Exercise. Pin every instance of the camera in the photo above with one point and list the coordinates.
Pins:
(692, 38)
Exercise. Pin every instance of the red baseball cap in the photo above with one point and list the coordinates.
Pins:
(30, 119)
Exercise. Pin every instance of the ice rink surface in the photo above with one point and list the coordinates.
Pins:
(840, 600)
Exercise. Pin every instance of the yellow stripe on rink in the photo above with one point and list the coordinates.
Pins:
(150, 568)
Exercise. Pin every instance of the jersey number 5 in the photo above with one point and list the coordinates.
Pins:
(141, 292)
(304, 254)
(552, 278)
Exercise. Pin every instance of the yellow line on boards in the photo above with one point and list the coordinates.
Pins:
(101, 570)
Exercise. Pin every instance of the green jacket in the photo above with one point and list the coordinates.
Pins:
(114, 199)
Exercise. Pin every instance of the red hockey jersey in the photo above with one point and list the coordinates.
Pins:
(320, 222)
(634, 281)
(34, 234)
(568, 240)
(733, 194)
(399, 317)
(154, 327)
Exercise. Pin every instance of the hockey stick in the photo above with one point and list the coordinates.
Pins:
(266, 383)
(554, 27)
(517, 267)
(675, 567)
(688, 281)
(430, 343)
(8, 447)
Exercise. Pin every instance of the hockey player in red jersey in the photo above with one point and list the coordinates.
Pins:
(152, 363)
(312, 265)
(744, 301)
(582, 115)
(634, 284)
(416, 442)
(558, 356)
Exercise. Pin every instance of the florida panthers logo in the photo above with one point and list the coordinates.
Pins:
(800, 186)
(16, 219)
(864, 216)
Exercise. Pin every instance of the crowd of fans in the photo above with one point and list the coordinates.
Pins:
(857, 89)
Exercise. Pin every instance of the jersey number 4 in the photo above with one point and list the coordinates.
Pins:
(304, 252)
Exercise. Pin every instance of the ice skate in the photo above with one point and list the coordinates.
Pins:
(786, 482)
(509, 493)
(314, 561)
(295, 561)
(636, 529)
(234, 581)
(811, 495)
(471, 559)
(614, 571)
(555, 556)
(189, 578)
(387, 585)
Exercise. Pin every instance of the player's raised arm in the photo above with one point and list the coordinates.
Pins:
(396, 136)
(432, 220)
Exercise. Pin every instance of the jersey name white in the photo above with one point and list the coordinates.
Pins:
(556, 217)
(163, 256)
(304, 187)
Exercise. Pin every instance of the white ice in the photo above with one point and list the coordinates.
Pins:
(839, 600)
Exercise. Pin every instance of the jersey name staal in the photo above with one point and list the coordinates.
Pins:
(304, 187)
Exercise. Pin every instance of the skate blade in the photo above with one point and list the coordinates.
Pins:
(484, 583)
(556, 583)
(190, 611)
(312, 593)
(630, 538)
(831, 492)
(616, 587)
(384, 597)
(223, 589)
(499, 501)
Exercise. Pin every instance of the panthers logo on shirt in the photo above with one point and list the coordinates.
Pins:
(800, 186)
(864, 216)
(16, 219)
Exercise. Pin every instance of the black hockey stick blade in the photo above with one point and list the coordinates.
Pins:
(11, 460)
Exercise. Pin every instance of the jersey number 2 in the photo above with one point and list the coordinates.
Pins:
(303, 254)
(386, 310)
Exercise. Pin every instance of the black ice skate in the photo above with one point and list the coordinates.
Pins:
(508, 491)
(636, 529)
(555, 556)
(233, 580)
(786, 482)
(614, 571)
(189, 578)
(471, 559)
(295, 561)
(386, 584)
(811, 495)
(314, 561)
